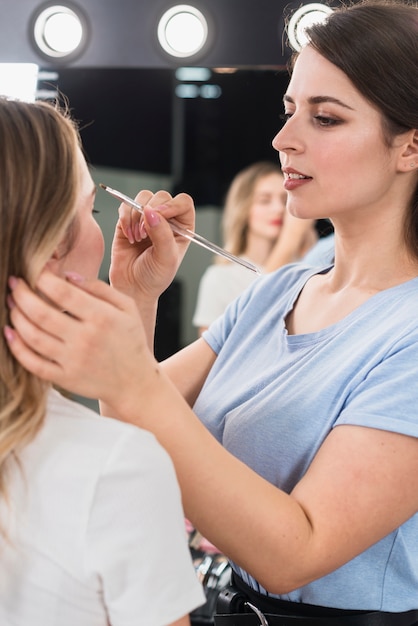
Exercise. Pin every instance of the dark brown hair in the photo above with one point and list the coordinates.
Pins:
(375, 43)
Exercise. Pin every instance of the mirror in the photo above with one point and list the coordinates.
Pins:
(132, 119)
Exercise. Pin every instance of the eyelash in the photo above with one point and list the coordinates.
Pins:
(284, 117)
(326, 121)
(95, 211)
(321, 120)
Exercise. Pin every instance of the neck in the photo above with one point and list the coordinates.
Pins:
(371, 263)
(370, 246)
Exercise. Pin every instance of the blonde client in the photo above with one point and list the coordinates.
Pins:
(92, 530)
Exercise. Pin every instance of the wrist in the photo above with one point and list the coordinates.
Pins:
(130, 400)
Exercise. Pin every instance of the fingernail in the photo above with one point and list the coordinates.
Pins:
(153, 218)
(74, 277)
(142, 232)
(10, 302)
(12, 282)
(130, 235)
(137, 232)
(9, 334)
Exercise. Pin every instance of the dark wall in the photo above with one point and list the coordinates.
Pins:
(222, 136)
(129, 118)
(125, 115)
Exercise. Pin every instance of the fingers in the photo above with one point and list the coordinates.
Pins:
(159, 198)
(28, 310)
(132, 222)
(94, 330)
(35, 338)
(133, 225)
(42, 321)
(181, 208)
(146, 253)
(71, 295)
(31, 360)
(165, 245)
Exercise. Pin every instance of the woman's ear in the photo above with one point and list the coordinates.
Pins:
(408, 159)
(55, 261)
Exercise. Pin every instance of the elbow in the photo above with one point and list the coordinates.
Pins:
(282, 584)
(287, 575)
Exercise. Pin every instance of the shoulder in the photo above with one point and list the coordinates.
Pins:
(220, 285)
(74, 427)
(93, 458)
(67, 413)
(264, 303)
(282, 281)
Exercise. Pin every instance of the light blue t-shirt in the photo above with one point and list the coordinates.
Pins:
(272, 398)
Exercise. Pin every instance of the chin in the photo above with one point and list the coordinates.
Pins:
(301, 212)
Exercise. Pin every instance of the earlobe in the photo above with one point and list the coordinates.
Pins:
(409, 155)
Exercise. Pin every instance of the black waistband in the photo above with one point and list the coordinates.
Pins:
(238, 605)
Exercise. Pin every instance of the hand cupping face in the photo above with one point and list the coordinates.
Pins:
(96, 349)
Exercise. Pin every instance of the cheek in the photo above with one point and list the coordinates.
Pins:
(97, 243)
(90, 251)
(352, 154)
(254, 219)
(257, 214)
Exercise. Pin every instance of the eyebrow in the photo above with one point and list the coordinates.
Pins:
(320, 100)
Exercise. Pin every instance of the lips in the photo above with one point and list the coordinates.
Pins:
(291, 174)
(294, 179)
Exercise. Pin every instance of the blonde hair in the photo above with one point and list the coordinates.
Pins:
(238, 203)
(39, 175)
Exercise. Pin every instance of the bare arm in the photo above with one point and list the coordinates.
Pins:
(189, 368)
(362, 484)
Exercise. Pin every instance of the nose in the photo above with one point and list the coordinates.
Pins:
(287, 139)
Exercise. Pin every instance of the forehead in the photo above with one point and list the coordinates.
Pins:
(313, 76)
(86, 181)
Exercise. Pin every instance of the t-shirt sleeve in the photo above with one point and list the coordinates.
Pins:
(136, 541)
(256, 297)
(387, 398)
